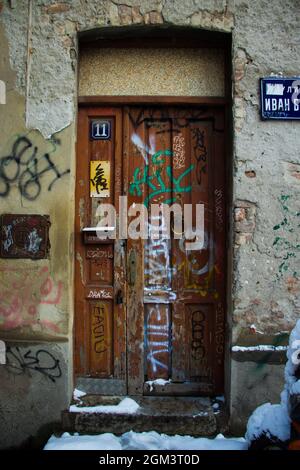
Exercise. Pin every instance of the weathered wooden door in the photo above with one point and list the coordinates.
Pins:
(150, 312)
(100, 321)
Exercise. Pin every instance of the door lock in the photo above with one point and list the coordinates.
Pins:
(119, 297)
(132, 268)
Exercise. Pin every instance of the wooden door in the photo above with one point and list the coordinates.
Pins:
(100, 322)
(176, 301)
(151, 309)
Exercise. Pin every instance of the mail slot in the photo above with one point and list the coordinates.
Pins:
(92, 235)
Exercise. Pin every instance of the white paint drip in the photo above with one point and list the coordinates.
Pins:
(8, 242)
(144, 148)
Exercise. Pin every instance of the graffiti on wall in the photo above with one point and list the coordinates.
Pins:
(286, 241)
(23, 293)
(42, 361)
(24, 236)
(25, 166)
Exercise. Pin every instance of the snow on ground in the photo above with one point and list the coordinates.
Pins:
(67, 442)
(77, 394)
(161, 382)
(271, 420)
(259, 347)
(143, 441)
(293, 362)
(274, 420)
(127, 405)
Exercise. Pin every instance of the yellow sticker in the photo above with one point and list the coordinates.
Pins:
(99, 178)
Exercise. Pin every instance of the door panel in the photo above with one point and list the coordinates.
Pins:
(177, 156)
(100, 264)
(170, 324)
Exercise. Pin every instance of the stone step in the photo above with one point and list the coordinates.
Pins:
(169, 415)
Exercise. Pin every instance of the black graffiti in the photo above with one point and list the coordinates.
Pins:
(180, 119)
(197, 346)
(99, 330)
(200, 153)
(41, 361)
(24, 167)
(99, 180)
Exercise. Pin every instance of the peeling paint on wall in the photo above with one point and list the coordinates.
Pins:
(286, 241)
(24, 294)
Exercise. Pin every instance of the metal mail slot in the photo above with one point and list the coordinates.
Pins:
(90, 235)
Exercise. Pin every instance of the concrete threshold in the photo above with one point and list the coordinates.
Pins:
(169, 415)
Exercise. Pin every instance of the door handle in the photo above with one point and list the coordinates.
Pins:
(98, 229)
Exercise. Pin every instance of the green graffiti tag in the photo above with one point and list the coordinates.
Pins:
(155, 182)
(286, 237)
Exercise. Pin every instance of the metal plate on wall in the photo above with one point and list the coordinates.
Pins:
(24, 236)
(280, 98)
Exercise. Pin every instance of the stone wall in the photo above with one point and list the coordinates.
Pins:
(38, 63)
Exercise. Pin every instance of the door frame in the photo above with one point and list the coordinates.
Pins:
(188, 101)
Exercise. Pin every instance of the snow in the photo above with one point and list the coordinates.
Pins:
(127, 405)
(143, 441)
(255, 330)
(259, 347)
(292, 384)
(67, 442)
(161, 382)
(272, 420)
(268, 419)
(221, 398)
(77, 394)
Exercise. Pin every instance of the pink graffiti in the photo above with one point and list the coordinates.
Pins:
(23, 291)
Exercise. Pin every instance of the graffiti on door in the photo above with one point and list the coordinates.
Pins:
(158, 340)
(161, 182)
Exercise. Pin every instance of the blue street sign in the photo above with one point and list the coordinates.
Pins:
(280, 98)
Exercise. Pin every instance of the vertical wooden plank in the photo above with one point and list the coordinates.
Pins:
(119, 308)
(134, 153)
(159, 191)
(220, 230)
(158, 257)
(81, 356)
(181, 165)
